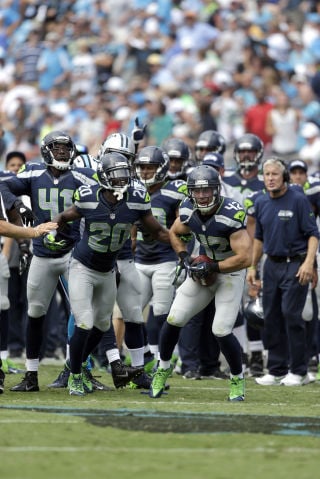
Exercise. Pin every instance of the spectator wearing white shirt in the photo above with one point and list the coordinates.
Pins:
(310, 152)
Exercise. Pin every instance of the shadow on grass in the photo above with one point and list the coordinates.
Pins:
(154, 421)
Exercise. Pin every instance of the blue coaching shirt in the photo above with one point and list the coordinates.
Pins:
(284, 224)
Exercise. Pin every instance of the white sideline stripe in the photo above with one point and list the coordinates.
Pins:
(155, 450)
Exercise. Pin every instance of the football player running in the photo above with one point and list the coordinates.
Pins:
(219, 225)
(109, 210)
(129, 292)
(50, 186)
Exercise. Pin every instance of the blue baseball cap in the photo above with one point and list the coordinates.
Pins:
(214, 159)
(298, 164)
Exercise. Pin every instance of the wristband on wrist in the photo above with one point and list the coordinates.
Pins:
(182, 255)
(252, 267)
(215, 267)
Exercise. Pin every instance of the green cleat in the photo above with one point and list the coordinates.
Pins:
(158, 384)
(150, 365)
(75, 385)
(237, 388)
(86, 378)
(9, 367)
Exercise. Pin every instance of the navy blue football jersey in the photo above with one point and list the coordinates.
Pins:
(107, 225)
(165, 203)
(244, 186)
(49, 196)
(213, 233)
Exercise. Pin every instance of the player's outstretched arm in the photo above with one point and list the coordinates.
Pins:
(13, 231)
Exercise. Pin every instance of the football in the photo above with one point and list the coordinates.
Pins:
(204, 280)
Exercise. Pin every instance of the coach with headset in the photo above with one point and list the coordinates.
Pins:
(286, 232)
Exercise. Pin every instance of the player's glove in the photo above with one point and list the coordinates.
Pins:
(183, 265)
(26, 213)
(25, 257)
(204, 272)
(50, 242)
(138, 131)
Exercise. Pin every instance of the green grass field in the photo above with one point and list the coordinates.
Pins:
(193, 432)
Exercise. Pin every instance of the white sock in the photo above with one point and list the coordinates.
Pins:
(4, 354)
(137, 356)
(155, 350)
(32, 364)
(255, 346)
(164, 364)
(113, 355)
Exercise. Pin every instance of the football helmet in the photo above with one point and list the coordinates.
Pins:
(58, 150)
(120, 143)
(152, 155)
(253, 312)
(204, 186)
(215, 160)
(177, 150)
(85, 161)
(113, 173)
(209, 140)
(248, 151)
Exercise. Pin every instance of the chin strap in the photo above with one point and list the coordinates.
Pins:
(118, 194)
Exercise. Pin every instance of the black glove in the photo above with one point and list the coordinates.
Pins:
(26, 213)
(25, 257)
(138, 132)
(184, 264)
